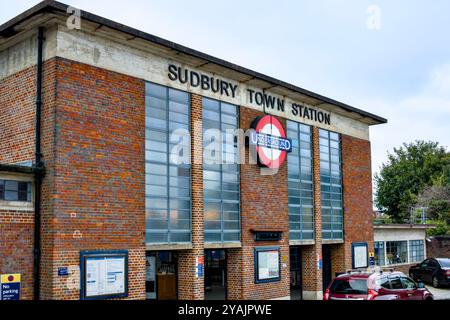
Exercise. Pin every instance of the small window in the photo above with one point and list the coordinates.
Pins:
(385, 283)
(15, 191)
(408, 283)
(396, 283)
(396, 252)
(416, 251)
(349, 286)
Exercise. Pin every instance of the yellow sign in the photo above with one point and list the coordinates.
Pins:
(10, 278)
(371, 254)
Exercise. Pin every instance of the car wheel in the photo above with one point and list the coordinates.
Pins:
(435, 282)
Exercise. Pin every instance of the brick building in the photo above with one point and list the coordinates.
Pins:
(117, 217)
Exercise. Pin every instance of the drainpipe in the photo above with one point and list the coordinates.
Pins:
(39, 168)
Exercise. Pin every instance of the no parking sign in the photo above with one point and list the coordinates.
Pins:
(10, 286)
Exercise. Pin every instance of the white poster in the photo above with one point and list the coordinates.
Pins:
(105, 276)
(268, 265)
(360, 256)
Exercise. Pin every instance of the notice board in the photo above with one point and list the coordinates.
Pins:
(104, 274)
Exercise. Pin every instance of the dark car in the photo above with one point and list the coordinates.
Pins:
(376, 285)
(435, 271)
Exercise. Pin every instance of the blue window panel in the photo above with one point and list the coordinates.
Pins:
(300, 181)
(331, 185)
(221, 181)
(168, 185)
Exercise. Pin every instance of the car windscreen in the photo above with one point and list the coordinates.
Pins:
(445, 263)
(349, 286)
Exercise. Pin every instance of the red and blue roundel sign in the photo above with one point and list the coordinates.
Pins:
(272, 145)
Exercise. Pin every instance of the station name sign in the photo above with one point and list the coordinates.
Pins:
(270, 103)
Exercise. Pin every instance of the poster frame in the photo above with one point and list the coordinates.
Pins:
(256, 264)
(86, 255)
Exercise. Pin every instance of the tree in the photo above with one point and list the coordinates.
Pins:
(408, 171)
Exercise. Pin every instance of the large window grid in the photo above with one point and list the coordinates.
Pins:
(331, 185)
(168, 184)
(416, 251)
(396, 252)
(221, 181)
(300, 182)
(15, 191)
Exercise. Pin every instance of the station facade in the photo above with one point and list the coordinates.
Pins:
(115, 104)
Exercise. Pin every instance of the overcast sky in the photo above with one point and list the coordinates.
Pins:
(397, 66)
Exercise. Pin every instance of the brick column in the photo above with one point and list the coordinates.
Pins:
(234, 274)
(357, 194)
(312, 276)
(190, 287)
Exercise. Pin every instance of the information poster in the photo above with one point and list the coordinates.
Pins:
(105, 275)
(267, 265)
(360, 257)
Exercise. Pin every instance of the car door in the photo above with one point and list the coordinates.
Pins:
(396, 288)
(434, 267)
(425, 271)
(411, 290)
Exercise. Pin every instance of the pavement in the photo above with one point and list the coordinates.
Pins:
(441, 293)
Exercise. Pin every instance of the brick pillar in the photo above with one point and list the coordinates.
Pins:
(338, 264)
(357, 188)
(190, 287)
(312, 276)
(234, 274)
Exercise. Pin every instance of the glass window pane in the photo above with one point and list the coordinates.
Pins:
(167, 110)
(299, 167)
(221, 178)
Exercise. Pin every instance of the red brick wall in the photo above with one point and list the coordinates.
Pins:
(264, 206)
(439, 247)
(17, 116)
(16, 251)
(357, 188)
(95, 189)
(17, 137)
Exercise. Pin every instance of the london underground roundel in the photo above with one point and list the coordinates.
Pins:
(272, 145)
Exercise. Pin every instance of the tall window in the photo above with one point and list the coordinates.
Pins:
(379, 253)
(15, 191)
(221, 182)
(396, 252)
(416, 251)
(331, 185)
(300, 182)
(168, 183)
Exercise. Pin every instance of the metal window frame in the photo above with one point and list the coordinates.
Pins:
(222, 220)
(302, 231)
(169, 231)
(418, 247)
(331, 207)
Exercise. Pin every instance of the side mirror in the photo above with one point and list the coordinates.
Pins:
(421, 285)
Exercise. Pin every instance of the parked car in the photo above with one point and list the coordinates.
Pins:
(376, 285)
(435, 271)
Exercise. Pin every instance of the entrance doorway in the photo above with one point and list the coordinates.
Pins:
(161, 277)
(215, 275)
(327, 270)
(296, 273)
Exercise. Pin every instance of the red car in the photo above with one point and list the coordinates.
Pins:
(380, 285)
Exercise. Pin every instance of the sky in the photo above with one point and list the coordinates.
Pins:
(390, 58)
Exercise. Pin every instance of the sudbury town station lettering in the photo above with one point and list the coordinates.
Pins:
(225, 88)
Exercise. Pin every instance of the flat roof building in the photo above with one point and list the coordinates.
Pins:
(160, 172)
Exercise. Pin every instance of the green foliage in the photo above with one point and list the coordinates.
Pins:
(383, 220)
(442, 228)
(409, 170)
